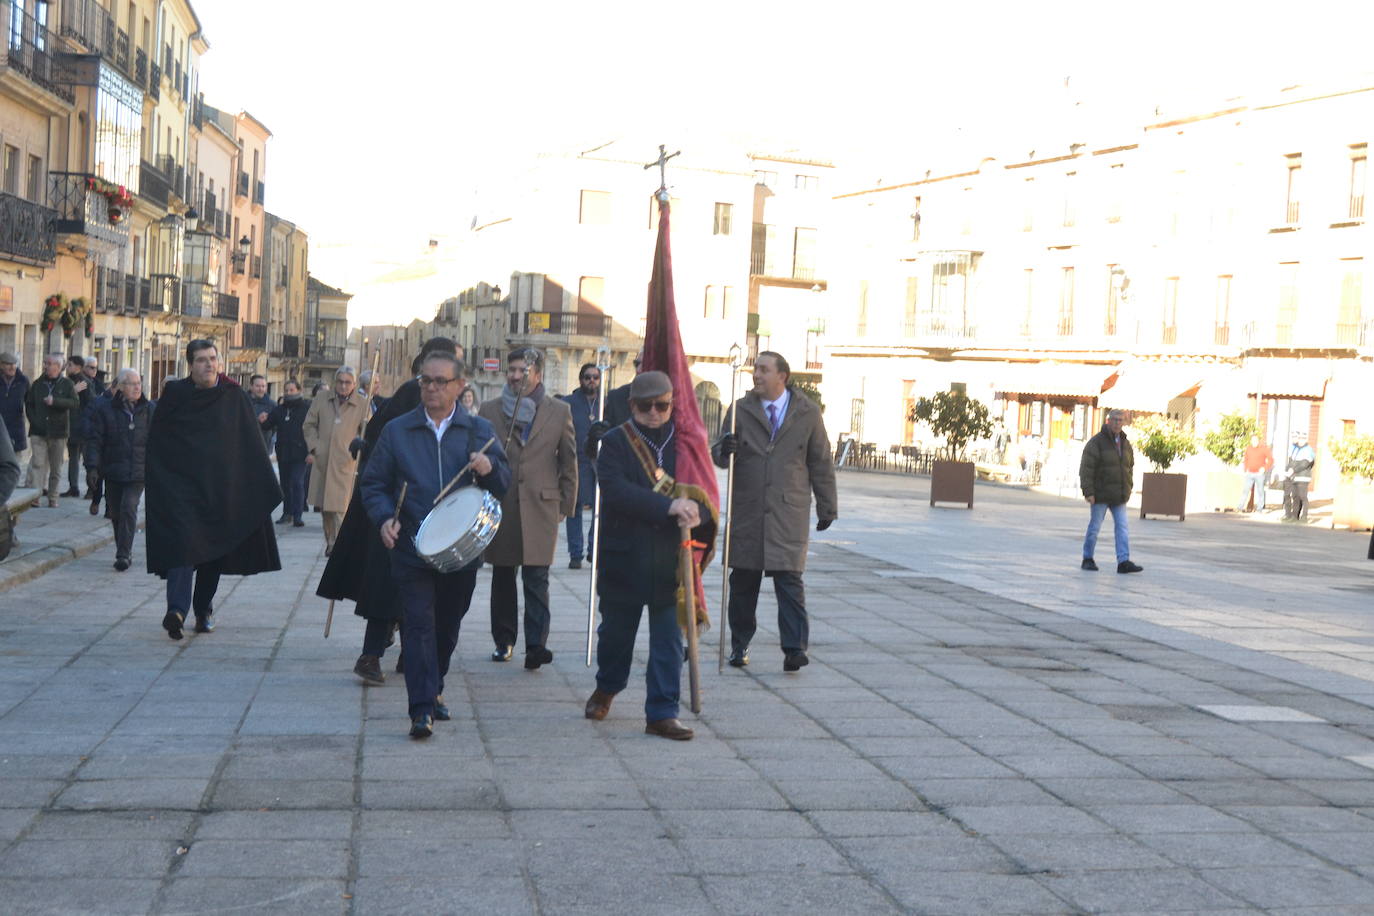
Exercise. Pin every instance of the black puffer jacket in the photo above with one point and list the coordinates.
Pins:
(117, 438)
(1105, 475)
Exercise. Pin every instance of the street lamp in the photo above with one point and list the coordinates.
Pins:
(240, 254)
(192, 217)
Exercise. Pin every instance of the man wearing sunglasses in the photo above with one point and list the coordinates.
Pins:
(782, 457)
(585, 411)
(538, 433)
(638, 563)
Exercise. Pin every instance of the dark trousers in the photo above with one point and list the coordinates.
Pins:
(182, 598)
(744, 598)
(577, 547)
(504, 609)
(615, 649)
(293, 486)
(433, 604)
(75, 451)
(377, 636)
(121, 508)
(1295, 498)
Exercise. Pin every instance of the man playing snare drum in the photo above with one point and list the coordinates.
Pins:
(423, 450)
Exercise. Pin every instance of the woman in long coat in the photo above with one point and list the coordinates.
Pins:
(334, 421)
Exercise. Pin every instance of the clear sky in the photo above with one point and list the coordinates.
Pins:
(387, 116)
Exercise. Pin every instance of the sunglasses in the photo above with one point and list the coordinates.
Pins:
(591, 378)
(427, 382)
(660, 406)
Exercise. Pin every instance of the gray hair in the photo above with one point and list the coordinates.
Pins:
(1116, 412)
(54, 358)
(365, 379)
(444, 356)
(344, 370)
(125, 375)
(92, 361)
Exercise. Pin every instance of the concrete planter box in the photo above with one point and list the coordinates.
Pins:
(1353, 506)
(1164, 494)
(1223, 490)
(952, 482)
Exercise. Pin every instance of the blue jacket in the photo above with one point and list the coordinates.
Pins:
(407, 451)
(583, 416)
(12, 408)
(117, 437)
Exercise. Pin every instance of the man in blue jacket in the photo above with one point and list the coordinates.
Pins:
(13, 386)
(423, 449)
(583, 403)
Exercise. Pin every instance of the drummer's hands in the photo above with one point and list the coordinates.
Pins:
(481, 464)
(686, 512)
(391, 530)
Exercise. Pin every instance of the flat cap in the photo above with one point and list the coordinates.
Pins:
(650, 385)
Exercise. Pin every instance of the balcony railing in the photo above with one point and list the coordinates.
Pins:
(137, 292)
(259, 192)
(83, 211)
(257, 266)
(209, 213)
(155, 81)
(27, 230)
(586, 324)
(327, 355)
(165, 293)
(1221, 336)
(237, 265)
(243, 184)
(152, 184)
(291, 346)
(30, 49)
(1168, 334)
(140, 73)
(109, 290)
(251, 336)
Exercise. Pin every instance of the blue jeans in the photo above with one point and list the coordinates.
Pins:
(615, 648)
(1254, 483)
(292, 487)
(192, 588)
(1123, 540)
(573, 526)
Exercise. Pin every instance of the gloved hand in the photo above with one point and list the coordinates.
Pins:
(729, 444)
(356, 445)
(824, 523)
(594, 434)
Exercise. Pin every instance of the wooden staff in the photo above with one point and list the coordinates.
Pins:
(467, 467)
(736, 360)
(603, 364)
(687, 574)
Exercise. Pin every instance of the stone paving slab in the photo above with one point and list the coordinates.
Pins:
(979, 732)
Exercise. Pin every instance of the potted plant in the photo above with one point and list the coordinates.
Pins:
(1227, 442)
(1163, 442)
(960, 420)
(1353, 506)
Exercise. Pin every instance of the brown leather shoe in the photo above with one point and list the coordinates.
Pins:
(598, 705)
(669, 728)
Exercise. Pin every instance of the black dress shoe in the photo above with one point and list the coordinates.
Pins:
(575, 563)
(401, 662)
(298, 523)
(669, 728)
(1090, 564)
(441, 709)
(172, 622)
(598, 704)
(795, 661)
(369, 668)
(204, 624)
(284, 520)
(73, 492)
(421, 726)
(1126, 566)
(502, 653)
(739, 658)
(121, 564)
(536, 656)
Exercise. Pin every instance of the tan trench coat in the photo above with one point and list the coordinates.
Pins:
(543, 484)
(328, 429)
(774, 482)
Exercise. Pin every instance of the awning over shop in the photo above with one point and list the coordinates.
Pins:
(1288, 378)
(1149, 387)
(1073, 380)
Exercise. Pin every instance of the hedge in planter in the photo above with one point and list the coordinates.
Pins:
(1163, 442)
(960, 419)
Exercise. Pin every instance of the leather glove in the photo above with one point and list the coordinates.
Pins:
(356, 446)
(729, 444)
(824, 523)
(594, 434)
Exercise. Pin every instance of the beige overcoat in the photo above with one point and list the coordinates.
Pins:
(774, 483)
(543, 484)
(329, 428)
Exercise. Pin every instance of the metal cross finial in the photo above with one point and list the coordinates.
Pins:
(662, 163)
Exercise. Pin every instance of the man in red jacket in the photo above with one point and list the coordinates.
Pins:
(1259, 461)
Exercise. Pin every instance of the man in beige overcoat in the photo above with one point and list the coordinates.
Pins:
(537, 431)
(335, 419)
(782, 458)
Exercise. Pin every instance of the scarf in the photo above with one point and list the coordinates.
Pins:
(522, 419)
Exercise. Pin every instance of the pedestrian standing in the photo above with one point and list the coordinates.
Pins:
(1106, 473)
(335, 419)
(52, 404)
(585, 411)
(1258, 462)
(782, 459)
(116, 449)
(76, 427)
(262, 406)
(287, 421)
(538, 432)
(210, 488)
(469, 401)
(1297, 477)
(421, 451)
(14, 385)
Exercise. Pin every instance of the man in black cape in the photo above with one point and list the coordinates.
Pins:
(359, 566)
(210, 490)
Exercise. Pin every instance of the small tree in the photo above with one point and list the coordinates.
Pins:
(1232, 435)
(811, 391)
(957, 417)
(1354, 455)
(1162, 441)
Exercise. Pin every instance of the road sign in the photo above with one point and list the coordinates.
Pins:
(491, 365)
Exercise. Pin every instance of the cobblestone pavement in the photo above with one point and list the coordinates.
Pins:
(984, 728)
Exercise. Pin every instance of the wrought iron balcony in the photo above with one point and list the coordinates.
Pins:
(585, 324)
(155, 81)
(259, 192)
(152, 184)
(27, 230)
(226, 306)
(140, 73)
(257, 266)
(82, 210)
(237, 266)
(251, 336)
(200, 300)
(30, 50)
(242, 188)
(327, 355)
(109, 290)
(137, 293)
(287, 346)
(165, 295)
(175, 175)
(209, 213)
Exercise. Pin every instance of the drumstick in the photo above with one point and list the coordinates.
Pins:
(400, 501)
(467, 467)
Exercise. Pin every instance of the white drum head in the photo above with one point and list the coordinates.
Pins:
(449, 521)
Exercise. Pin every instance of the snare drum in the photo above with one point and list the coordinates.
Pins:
(458, 529)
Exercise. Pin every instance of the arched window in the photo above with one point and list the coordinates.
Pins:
(708, 402)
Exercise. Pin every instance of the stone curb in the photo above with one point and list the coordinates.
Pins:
(29, 566)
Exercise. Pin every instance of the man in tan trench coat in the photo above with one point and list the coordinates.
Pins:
(782, 457)
(543, 491)
(335, 419)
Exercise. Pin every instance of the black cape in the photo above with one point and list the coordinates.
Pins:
(210, 486)
(359, 566)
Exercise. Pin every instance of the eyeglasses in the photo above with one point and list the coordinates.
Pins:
(427, 382)
(660, 406)
(591, 378)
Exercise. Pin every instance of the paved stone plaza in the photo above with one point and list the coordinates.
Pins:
(984, 728)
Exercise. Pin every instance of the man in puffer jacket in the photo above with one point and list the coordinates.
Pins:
(116, 443)
(1107, 473)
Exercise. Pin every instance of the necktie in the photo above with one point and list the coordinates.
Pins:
(773, 421)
